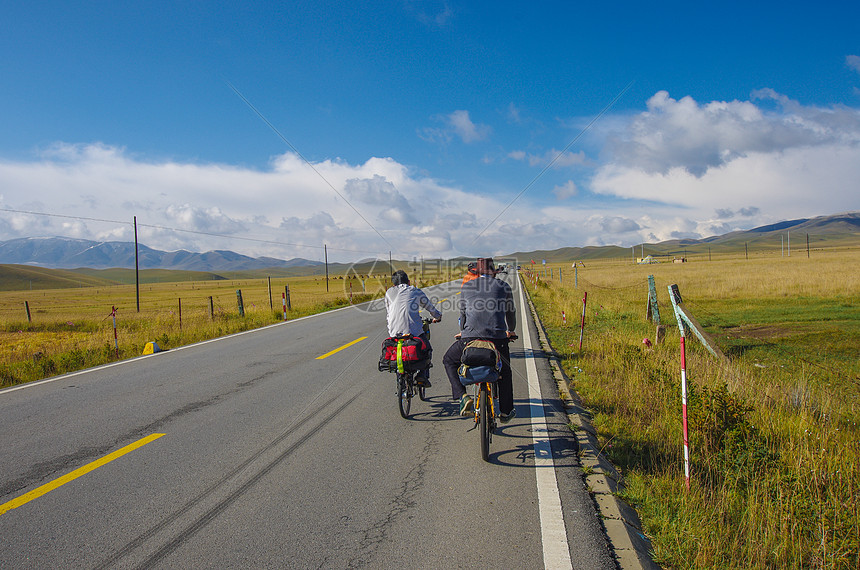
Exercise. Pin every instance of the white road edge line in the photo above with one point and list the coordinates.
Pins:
(556, 551)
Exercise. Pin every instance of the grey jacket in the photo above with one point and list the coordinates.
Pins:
(487, 308)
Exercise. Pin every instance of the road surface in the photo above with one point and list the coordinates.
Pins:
(274, 449)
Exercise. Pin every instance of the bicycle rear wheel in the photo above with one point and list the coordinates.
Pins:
(404, 394)
(485, 421)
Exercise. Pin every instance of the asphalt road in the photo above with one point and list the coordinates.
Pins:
(272, 457)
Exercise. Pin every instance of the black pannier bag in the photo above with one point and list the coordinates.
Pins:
(404, 354)
(480, 353)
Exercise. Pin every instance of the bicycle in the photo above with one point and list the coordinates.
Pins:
(407, 386)
(484, 395)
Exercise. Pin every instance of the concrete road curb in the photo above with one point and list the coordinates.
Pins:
(623, 527)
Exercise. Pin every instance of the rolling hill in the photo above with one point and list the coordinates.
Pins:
(41, 260)
(68, 253)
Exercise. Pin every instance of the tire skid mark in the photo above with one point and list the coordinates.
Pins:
(208, 516)
(212, 513)
(39, 472)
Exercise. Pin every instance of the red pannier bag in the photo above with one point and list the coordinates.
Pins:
(404, 354)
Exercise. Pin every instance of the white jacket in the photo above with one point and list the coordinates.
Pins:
(403, 303)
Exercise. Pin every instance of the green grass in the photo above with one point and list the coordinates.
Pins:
(26, 277)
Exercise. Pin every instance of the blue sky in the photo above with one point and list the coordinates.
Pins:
(423, 128)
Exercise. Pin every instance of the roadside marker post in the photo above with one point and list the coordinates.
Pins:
(676, 300)
(563, 318)
(582, 322)
(284, 299)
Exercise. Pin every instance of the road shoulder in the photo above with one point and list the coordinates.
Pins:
(621, 523)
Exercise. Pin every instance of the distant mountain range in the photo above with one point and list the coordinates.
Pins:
(67, 253)
(823, 231)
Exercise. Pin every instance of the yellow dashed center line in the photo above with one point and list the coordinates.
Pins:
(48, 487)
(347, 345)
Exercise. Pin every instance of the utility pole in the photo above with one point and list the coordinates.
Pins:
(136, 268)
(325, 249)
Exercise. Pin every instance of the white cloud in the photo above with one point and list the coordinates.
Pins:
(566, 190)
(556, 158)
(745, 162)
(513, 114)
(459, 124)
(465, 128)
(696, 137)
(853, 62)
(678, 169)
(292, 203)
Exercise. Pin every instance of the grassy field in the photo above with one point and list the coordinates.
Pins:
(774, 434)
(72, 328)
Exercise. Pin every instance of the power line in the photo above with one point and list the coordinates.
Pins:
(306, 161)
(554, 160)
(209, 234)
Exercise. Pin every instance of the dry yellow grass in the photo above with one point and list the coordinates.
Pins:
(73, 328)
(775, 434)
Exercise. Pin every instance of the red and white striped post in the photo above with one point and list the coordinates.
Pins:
(350, 292)
(684, 411)
(563, 318)
(675, 297)
(284, 299)
(582, 322)
(115, 339)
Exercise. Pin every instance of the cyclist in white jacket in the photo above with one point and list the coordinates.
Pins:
(403, 303)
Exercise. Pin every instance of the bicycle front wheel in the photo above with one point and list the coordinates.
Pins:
(404, 394)
(485, 421)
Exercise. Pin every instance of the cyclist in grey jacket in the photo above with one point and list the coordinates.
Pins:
(487, 311)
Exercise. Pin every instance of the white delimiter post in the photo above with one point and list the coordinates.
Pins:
(684, 412)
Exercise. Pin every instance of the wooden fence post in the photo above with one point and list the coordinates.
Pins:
(211, 308)
(239, 301)
(652, 311)
(287, 293)
(269, 279)
(115, 338)
(685, 319)
(27, 306)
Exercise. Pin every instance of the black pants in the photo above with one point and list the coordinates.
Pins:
(505, 385)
